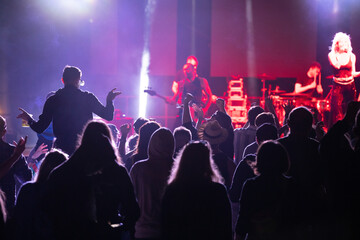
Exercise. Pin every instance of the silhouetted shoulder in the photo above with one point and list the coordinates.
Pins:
(219, 187)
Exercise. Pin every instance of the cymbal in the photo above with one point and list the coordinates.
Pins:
(277, 91)
(293, 94)
(265, 76)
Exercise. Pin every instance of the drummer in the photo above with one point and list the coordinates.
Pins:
(310, 85)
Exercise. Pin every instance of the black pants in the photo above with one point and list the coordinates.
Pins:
(340, 97)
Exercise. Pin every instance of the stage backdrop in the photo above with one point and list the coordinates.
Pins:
(253, 37)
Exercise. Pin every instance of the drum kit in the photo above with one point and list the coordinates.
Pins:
(280, 98)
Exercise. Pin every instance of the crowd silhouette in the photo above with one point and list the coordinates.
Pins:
(205, 180)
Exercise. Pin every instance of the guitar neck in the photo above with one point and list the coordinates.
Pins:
(162, 97)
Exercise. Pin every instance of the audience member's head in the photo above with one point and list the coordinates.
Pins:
(265, 117)
(2, 126)
(212, 132)
(266, 132)
(272, 159)
(194, 164)
(145, 133)
(182, 136)
(52, 159)
(138, 123)
(250, 159)
(161, 145)
(97, 149)
(93, 130)
(300, 121)
(253, 112)
(72, 76)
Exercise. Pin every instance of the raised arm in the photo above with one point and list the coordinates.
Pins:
(319, 88)
(44, 119)
(124, 131)
(300, 89)
(186, 118)
(106, 112)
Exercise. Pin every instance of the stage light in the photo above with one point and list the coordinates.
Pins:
(145, 61)
(144, 83)
(336, 7)
(67, 8)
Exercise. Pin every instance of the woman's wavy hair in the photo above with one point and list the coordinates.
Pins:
(340, 36)
(145, 133)
(96, 139)
(194, 163)
(52, 159)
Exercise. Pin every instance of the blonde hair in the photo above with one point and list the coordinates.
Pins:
(340, 36)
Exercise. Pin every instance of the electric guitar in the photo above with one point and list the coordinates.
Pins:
(153, 93)
(193, 109)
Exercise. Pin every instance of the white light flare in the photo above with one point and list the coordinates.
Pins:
(336, 7)
(68, 9)
(144, 83)
(145, 61)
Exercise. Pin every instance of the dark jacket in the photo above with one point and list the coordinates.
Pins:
(69, 110)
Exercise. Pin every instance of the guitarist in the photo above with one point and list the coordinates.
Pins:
(197, 86)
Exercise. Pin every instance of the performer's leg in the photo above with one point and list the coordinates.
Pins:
(336, 104)
(349, 94)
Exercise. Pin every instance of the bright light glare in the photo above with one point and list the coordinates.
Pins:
(144, 82)
(66, 8)
(336, 7)
(76, 6)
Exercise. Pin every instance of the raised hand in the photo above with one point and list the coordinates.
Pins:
(112, 95)
(42, 149)
(288, 106)
(24, 115)
(124, 130)
(220, 104)
(188, 98)
(269, 105)
(198, 111)
(20, 147)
